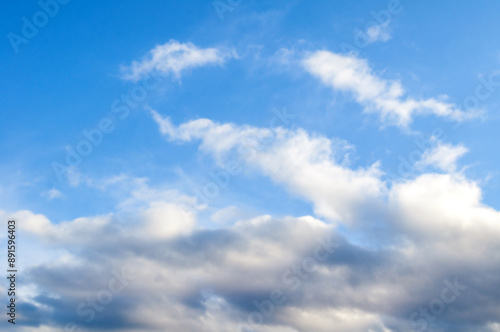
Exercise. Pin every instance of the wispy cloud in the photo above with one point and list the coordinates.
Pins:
(380, 32)
(53, 194)
(174, 58)
(351, 74)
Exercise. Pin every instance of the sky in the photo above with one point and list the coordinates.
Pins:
(238, 165)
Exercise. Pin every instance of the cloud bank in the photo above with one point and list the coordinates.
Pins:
(420, 244)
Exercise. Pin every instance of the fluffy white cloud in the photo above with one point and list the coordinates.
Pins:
(444, 207)
(312, 167)
(195, 279)
(201, 278)
(173, 58)
(190, 278)
(348, 73)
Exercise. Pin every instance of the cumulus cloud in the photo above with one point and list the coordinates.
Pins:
(174, 58)
(369, 259)
(191, 278)
(430, 221)
(198, 279)
(353, 75)
(444, 206)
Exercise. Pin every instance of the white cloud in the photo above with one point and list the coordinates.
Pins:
(210, 280)
(173, 58)
(443, 156)
(53, 194)
(375, 33)
(351, 74)
(433, 207)
(445, 207)
(309, 166)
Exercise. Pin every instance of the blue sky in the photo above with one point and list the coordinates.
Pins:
(376, 114)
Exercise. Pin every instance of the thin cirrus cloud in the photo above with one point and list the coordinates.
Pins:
(353, 75)
(174, 58)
